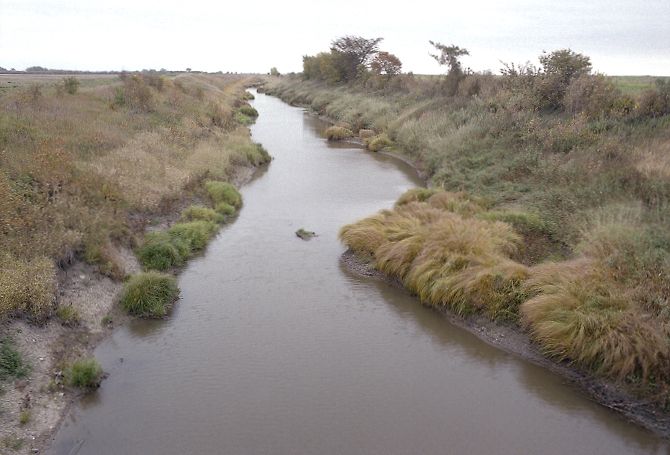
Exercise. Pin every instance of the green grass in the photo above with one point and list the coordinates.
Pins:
(161, 251)
(249, 111)
(24, 417)
(195, 234)
(223, 192)
(149, 294)
(225, 209)
(201, 213)
(68, 316)
(84, 374)
(12, 364)
(635, 84)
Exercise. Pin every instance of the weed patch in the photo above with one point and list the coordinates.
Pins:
(149, 294)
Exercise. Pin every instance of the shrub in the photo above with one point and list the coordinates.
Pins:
(593, 95)
(84, 374)
(27, 287)
(653, 103)
(68, 315)
(223, 192)
(195, 234)
(243, 119)
(149, 294)
(337, 133)
(161, 251)
(225, 209)
(11, 362)
(379, 142)
(71, 84)
(201, 213)
(249, 111)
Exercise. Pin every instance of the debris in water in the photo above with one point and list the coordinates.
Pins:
(305, 235)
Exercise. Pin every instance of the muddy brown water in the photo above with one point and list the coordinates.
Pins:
(275, 348)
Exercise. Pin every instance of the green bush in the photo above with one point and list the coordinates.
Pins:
(243, 119)
(11, 362)
(195, 234)
(249, 111)
(149, 294)
(225, 209)
(161, 251)
(84, 374)
(71, 84)
(223, 192)
(201, 213)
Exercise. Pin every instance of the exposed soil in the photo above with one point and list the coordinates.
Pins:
(512, 339)
(49, 347)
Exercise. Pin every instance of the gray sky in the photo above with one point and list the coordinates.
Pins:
(620, 36)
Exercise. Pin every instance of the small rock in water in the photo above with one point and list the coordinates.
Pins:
(305, 235)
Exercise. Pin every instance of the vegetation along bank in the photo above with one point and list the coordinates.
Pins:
(109, 184)
(548, 199)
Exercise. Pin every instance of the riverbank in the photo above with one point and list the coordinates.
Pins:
(182, 133)
(509, 338)
(48, 348)
(535, 183)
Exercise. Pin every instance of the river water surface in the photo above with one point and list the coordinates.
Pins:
(275, 348)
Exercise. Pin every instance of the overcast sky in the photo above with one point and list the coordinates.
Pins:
(620, 36)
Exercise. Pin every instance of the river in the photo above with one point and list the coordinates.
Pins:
(276, 348)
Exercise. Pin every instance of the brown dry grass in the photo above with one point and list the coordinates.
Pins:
(605, 310)
(73, 168)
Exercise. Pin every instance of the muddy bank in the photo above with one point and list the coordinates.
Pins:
(49, 347)
(512, 339)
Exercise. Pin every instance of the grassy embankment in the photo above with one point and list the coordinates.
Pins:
(552, 220)
(85, 167)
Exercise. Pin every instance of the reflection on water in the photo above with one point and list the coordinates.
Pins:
(275, 348)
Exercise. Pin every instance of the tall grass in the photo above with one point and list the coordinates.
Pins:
(605, 310)
(149, 294)
(77, 170)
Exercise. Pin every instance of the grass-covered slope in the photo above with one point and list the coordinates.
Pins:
(82, 168)
(554, 219)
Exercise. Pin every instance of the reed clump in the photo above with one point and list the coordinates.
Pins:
(338, 133)
(149, 294)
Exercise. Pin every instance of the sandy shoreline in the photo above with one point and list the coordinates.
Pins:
(513, 340)
(47, 347)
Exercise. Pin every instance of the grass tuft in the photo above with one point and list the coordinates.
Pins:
(12, 364)
(149, 294)
(201, 213)
(68, 315)
(379, 142)
(195, 234)
(223, 192)
(161, 251)
(84, 374)
(338, 133)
